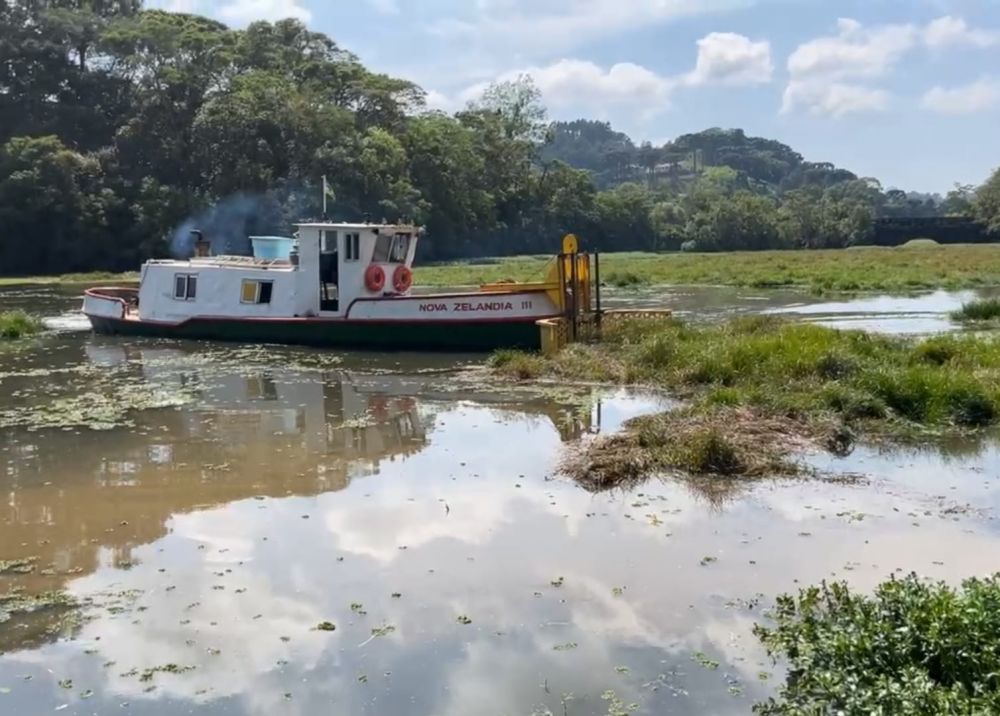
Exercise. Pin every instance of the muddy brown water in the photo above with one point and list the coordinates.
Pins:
(211, 505)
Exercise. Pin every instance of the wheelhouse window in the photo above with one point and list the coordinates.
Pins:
(400, 248)
(258, 292)
(185, 287)
(352, 247)
(329, 242)
(383, 246)
(391, 249)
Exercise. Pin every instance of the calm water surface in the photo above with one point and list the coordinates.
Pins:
(209, 506)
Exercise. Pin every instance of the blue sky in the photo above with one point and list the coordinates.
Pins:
(907, 91)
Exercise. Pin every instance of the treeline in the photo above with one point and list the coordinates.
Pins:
(120, 127)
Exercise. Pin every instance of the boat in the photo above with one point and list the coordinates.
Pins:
(341, 285)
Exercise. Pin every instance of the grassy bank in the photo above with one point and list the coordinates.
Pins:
(71, 278)
(18, 324)
(862, 269)
(760, 389)
(911, 648)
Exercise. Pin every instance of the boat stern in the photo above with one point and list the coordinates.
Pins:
(109, 303)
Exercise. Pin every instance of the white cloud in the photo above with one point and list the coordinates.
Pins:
(560, 25)
(572, 83)
(855, 52)
(385, 7)
(833, 75)
(731, 59)
(723, 58)
(835, 100)
(975, 97)
(948, 31)
(242, 12)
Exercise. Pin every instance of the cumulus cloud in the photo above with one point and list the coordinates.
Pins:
(835, 100)
(949, 31)
(559, 25)
(978, 96)
(385, 7)
(834, 75)
(242, 12)
(731, 59)
(723, 58)
(238, 12)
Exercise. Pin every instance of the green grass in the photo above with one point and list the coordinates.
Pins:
(767, 386)
(900, 269)
(910, 648)
(18, 324)
(976, 311)
(798, 370)
(71, 278)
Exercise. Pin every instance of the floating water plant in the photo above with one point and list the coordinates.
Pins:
(912, 647)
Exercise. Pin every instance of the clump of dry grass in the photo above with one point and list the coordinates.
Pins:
(728, 442)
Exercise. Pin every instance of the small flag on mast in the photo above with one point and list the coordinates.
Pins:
(328, 193)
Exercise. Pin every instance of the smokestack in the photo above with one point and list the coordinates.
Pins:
(202, 248)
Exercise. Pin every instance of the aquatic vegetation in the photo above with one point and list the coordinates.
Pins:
(326, 626)
(912, 647)
(625, 279)
(523, 366)
(18, 324)
(761, 389)
(987, 309)
(901, 269)
(18, 566)
(72, 278)
(464, 620)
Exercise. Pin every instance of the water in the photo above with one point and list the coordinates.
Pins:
(209, 506)
(903, 315)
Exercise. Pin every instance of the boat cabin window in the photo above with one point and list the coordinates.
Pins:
(391, 249)
(185, 287)
(400, 248)
(352, 247)
(383, 245)
(257, 291)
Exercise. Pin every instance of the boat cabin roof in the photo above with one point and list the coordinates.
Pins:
(364, 226)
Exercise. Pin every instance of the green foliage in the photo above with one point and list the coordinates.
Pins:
(118, 125)
(18, 324)
(986, 309)
(986, 205)
(912, 647)
(820, 271)
(523, 366)
(803, 371)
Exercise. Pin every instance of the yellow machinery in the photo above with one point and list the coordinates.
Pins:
(572, 282)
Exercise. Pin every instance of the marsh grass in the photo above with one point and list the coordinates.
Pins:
(912, 647)
(900, 270)
(987, 309)
(71, 278)
(759, 382)
(18, 324)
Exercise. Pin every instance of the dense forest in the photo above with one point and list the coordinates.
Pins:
(122, 128)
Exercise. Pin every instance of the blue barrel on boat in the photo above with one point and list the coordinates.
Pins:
(272, 248)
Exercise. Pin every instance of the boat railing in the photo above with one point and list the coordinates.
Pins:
(111, 301)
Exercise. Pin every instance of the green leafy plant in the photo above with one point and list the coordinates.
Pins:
(912, 647)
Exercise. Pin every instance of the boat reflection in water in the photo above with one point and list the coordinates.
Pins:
(82, 499)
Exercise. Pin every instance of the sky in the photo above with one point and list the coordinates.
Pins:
(907, 91)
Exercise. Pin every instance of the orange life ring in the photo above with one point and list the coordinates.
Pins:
(374, 278)
(402, 279)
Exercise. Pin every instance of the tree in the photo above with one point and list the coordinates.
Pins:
(987, 203)
(518, 105)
